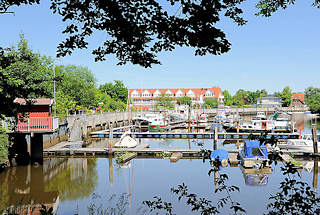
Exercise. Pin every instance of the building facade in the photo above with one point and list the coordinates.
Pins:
(269, 101)
(146, 98)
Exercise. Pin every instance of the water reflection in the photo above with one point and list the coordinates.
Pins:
(256, 177)
(23, 190)
(27, 188)
(77, 179)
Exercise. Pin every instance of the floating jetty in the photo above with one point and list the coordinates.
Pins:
(170, 135)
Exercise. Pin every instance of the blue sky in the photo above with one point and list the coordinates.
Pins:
(268, 53)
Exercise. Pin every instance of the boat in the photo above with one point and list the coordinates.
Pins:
(220, 117)
(220, 155)
(203, 118)
(254, 155)
(126, 141)
(157, 123)
(305, 144)
(154, 121)
(260, 123)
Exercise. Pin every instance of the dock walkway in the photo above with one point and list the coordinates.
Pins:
(181, 135)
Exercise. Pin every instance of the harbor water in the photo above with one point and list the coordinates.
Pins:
(83, 185)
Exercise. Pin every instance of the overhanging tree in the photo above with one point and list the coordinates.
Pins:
(23, 73)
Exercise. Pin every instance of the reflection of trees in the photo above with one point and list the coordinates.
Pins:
(78, 180)
(4, 195)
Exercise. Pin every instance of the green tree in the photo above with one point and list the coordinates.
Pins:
(184, 101)
(240, 98)
(312, 97)
(64, 104)
(136, 31)
(107, 103)
(117, 91)
(211, 102)
(227, 98)
(286, 96)
(78, 83)
(164, 102)
(24, 74)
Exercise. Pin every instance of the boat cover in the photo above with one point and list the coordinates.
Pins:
(253, 149)
(219, 154)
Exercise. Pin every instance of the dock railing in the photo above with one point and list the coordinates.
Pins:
(37, 124)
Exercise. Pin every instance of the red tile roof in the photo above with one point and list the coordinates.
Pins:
(34, 101)
(299, 96)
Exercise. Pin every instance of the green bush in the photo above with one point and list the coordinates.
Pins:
(4, 144)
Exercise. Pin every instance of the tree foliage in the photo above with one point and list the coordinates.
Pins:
(227, 98)
(211, 102)
(268, 7)
(164, 103)
(105, 101)
(184, 101)
(312, 98)
(286, 96)
(117, 91)
(24, 74)
(136, 31)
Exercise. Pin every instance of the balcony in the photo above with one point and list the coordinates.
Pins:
(37, 124)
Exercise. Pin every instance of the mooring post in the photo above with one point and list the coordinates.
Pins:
(215, 138)
(110, 139)
(315, 174)
(314, 137)
(237, 126)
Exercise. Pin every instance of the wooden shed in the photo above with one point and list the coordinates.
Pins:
(35, 115)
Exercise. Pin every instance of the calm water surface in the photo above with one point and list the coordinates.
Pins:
(76, 184)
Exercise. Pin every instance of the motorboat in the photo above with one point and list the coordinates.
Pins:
(126, 141)
(254, 155)
(157, 123)
(260, 123)
(203, 118)
(305, 144)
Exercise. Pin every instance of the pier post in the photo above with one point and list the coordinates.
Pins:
(215, 138)
(315, 174)
(314, 138)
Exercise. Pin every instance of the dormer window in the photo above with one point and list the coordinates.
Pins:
(169, 93)
(179, 93)
(190, 93)
(209, 93)
(146, 93)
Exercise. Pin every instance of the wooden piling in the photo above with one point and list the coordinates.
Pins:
(315, 174)
(315, 140)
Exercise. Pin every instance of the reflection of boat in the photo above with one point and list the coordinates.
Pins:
(254, 155)
(304, 144)
(126, 141)
(256, 177)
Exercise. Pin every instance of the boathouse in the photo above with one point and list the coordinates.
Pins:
(35, 115)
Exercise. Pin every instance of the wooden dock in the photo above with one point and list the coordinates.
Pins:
(207, 135)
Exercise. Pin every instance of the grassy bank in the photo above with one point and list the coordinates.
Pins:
(4, 144)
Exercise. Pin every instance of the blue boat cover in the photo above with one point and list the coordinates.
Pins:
(253, 149)
(219, 154)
